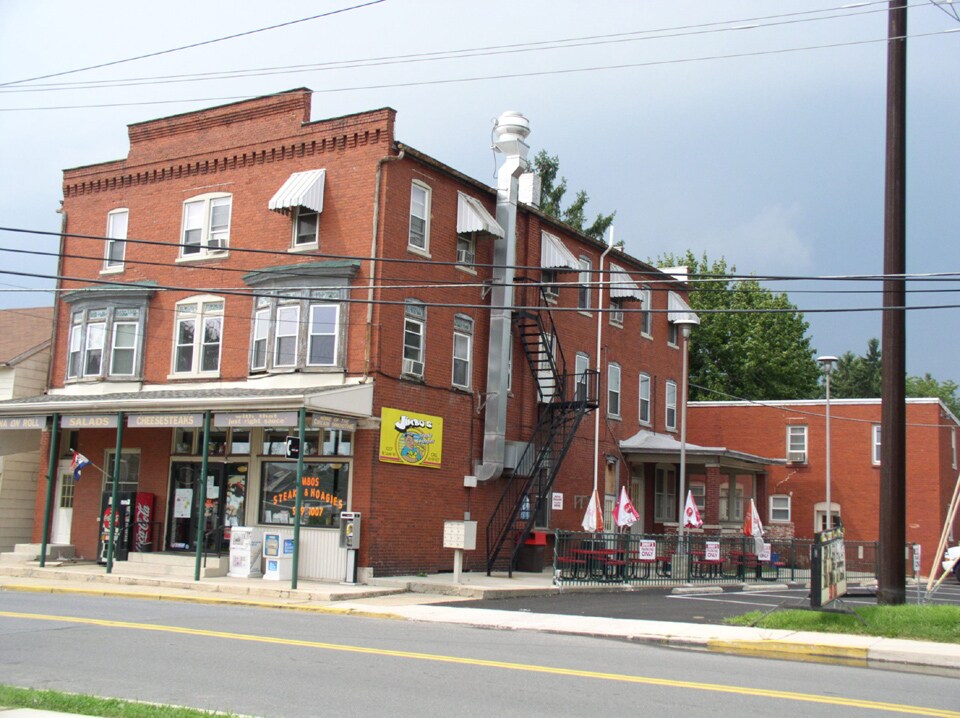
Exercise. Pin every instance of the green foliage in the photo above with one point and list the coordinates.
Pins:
(551, 198)
(11, 697)
(927, 386)
(749, 353)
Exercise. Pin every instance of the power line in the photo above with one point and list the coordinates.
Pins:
(188, 47)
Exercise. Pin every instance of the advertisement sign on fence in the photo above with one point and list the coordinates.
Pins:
(828, 564)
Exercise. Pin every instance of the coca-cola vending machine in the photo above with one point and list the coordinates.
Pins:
(134, 524)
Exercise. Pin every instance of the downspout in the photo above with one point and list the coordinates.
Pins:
(511, 130)
(373, 258)
(56, 298)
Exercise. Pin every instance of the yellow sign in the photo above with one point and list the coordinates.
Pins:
(408, 437)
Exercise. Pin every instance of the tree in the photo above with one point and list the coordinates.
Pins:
(927, 386)
(751, 352)
(551, 198)
(858, 377)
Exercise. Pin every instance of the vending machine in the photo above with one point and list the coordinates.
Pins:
(134, 524)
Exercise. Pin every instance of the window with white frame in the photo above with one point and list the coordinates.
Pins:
(462, 350)
(613, 390)
(953, 448)
(780, 507)
(548, 280)
(117, 221)
(414, 336)
(286, 333)
(466, 249)
(419, 237)
(306, 228)
(129, 474)
(671, 405)
(665, 494)
(323, 334)
(581, 367)
(106, 333)
(646, 315)
(616, 312)
(699, 491)
(197, 336)
(206, 226)
(875, 444)
(797, 444)
(672, 334)
(643, 406)
(731, 503)
(586, 276)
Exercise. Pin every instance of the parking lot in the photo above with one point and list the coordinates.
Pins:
(663, 604)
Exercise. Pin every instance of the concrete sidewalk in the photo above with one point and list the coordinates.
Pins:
(413, 598)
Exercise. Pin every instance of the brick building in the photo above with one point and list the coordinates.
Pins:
(247, 274)
(796, 488)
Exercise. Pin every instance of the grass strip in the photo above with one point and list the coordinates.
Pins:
(12, 697)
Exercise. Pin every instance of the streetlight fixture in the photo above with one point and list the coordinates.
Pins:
(686, 324)
(827, 363)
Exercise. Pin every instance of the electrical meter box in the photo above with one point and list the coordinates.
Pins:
(350, 529)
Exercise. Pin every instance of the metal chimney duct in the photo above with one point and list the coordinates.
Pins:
(510, 132)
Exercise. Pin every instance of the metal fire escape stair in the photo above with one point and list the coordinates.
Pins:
(564, 401)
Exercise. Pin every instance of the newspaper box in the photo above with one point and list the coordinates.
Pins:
(277, 557)
(245, 550)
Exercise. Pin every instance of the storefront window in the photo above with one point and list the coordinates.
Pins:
(324, 493)
(239, 442)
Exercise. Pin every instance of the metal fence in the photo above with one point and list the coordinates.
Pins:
(651, 559)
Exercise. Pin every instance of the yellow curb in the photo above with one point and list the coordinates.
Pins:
(209, 600)
(820, 653)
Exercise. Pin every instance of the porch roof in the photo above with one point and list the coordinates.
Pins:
(650, 446)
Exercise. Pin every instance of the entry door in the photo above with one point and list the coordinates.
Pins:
(636, 498)
(221, 494)
(63, 514)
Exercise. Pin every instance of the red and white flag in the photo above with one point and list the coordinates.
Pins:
(691, 514)
(753, 527)
(624, 514)
(593, 519)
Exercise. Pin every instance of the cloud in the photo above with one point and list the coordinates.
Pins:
(769, 242)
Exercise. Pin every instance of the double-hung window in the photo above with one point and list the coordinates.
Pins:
(613, 391)
(671, 406)
(646, 315)
(123, 357)
(875, 444)
(581, 368)
(323, 334)
(117, 221)
(198, 336)
(616, 311)
(548, 282)
(665, 494)
(206, 226)
(419, 237)
(466, 250)
(286, 335)
(583, 290)
(780, 507)
(306, 228)
(644, 405)
(797, 444)
(414, 337)
(462, 350)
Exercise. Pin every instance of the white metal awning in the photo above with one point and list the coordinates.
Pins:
(553, 255)
(302, 189)
(678, 311)
(621, 286)
(472, 216)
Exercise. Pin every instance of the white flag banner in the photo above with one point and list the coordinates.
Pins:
(593, 518)
(691, 514)
(753, 527)
(624, 514)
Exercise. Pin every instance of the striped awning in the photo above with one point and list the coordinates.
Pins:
(621, 286)
(302, 189)
(472, 216)
(553, 255)
(679, 312)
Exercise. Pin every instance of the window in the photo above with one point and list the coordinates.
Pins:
(797, 444)
(613, 390)
(116, 239)
(206, 226)
(129, 471)
(105, 340)
(699, 491)
(875, 444)
(820, 515)
(671, 402)
(325, 485)
(462, 350)
(665, 494)
(731, 509)
(583, 291)
(581, 367)
(548, 281)
(198, 331)
(323, 334)
(414, 327)
(261, 332)
(286, 332)
(672, 334)
(306, 228)
(780, 507)
(616, 312)
(419, 217)
(466, 249)
(953, 447)
(646, 315)
(644, 405)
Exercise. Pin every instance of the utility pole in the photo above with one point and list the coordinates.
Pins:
(891, 588)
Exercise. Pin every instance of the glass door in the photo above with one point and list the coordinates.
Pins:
(222, 495)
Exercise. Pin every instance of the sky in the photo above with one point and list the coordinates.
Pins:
(752, 130)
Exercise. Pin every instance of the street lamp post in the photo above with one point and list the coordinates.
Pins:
(685, 325)
(827, 363)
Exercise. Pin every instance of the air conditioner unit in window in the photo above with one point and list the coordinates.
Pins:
(797, 457)
(465, 256)
(218, 242)
(412, 367)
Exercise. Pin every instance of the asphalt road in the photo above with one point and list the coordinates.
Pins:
(664, 605)
(271, 663)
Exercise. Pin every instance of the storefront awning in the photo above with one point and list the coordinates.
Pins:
(553, 255)
(302, 189)
(621, 286)
(678, 311)
(472, 216)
